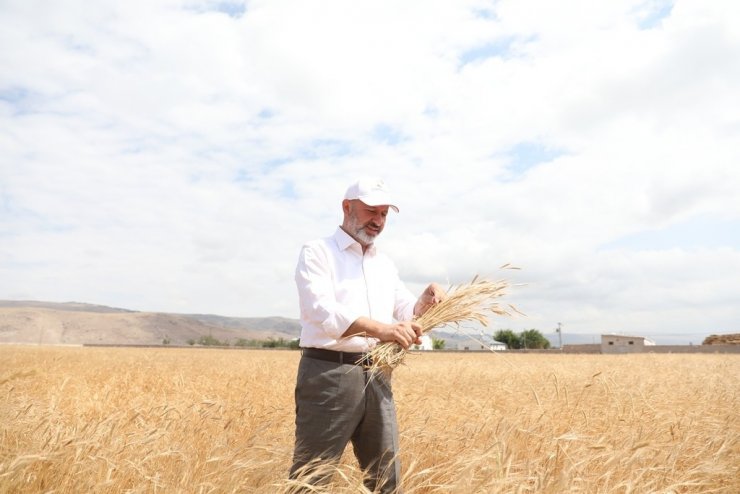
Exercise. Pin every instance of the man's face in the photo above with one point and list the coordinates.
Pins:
(364, 222)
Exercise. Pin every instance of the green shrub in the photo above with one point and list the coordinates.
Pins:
(211, 341)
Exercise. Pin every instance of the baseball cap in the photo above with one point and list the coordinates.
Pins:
(371, 191)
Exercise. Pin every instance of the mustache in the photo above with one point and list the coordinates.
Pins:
(373, 225)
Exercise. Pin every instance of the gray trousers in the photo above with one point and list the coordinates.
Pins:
(339, 403)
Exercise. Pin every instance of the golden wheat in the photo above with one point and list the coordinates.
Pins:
(221, 421)
(472, 302)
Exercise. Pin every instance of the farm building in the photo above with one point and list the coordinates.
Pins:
(620, 343)
(496, 346)
(426, 343)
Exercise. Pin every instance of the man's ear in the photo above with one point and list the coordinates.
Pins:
(345, 206)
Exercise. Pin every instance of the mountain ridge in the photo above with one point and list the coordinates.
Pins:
(77, 323)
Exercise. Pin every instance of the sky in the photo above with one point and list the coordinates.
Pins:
(174, 155)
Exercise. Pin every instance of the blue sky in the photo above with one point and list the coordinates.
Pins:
(173, 156)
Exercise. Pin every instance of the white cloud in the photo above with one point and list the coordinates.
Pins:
(174, 155)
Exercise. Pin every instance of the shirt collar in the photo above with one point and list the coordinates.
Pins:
(345, 241)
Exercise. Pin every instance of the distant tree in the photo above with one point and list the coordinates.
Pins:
(273, 343)
(512, 340)
(211, 341)
(532, 338)
(166, 340)
(438, 343)
(191, 342)
(268, 343)
(243, 342)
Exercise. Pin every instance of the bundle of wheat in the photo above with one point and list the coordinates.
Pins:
(472, 302)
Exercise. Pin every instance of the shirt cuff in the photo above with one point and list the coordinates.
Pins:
(339, 322)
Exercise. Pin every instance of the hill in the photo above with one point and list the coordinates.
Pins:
(76, 323)
(722, 339)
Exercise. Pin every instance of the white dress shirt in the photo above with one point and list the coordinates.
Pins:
(337, 284)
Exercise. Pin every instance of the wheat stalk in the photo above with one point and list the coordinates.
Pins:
(471, 302)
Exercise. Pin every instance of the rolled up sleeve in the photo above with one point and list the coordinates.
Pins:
(319, 307)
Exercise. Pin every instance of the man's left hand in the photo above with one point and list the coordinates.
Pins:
(433, 295)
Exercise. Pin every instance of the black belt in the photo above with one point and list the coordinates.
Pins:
(336, 356)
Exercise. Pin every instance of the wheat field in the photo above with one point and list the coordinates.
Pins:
(112, 420)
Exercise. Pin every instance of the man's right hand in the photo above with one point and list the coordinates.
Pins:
(404, 333)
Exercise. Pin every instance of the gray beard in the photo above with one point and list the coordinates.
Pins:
(359, 233)
(364, 237)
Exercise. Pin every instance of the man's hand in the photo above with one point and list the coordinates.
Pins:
(433, 295)
(404, 333)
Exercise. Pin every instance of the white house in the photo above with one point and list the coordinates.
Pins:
(495, 346)
(620, 343)
(426, 343)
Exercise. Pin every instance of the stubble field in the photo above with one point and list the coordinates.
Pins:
(104, 420)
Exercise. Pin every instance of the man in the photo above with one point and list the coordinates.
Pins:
(351, 298)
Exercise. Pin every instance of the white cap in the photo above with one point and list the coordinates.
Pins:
(371, 191)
